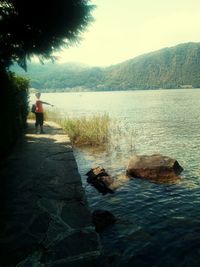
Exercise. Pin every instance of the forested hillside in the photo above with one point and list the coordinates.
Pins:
(167, 68)
(174, 67)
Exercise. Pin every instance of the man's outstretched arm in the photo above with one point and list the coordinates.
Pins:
(46, 103)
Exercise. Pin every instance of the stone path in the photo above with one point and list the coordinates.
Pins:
(44, 215)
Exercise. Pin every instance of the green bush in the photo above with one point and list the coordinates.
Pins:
(13, 108)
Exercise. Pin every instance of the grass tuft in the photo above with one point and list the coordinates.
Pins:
(93, 130)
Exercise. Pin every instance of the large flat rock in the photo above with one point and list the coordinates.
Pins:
(153, 167)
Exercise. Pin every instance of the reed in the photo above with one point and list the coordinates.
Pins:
(93, 130)
(83, 131)
(96, 130)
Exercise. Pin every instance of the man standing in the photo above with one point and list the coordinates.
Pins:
(39, 113)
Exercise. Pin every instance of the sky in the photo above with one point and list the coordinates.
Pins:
(124, 29)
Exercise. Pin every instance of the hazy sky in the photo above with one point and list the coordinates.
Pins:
(124, 29)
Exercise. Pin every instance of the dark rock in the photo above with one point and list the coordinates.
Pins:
(102, 219)
(100, 179)
(96, 172)
(153, 167)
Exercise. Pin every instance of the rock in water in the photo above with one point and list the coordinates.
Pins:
(102, 219)
(153, 167)
(100, 179)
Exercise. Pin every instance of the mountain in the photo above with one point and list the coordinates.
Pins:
(174, 67)
(166, 68)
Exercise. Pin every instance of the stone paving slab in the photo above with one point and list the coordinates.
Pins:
(44, 215)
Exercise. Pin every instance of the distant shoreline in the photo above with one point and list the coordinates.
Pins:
(33, 90)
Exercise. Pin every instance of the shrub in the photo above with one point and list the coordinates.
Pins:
(13, 108)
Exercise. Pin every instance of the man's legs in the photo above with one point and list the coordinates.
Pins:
(36, 122)
(41, 120)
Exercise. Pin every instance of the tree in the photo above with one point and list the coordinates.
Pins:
(32, 27)
(35, 27)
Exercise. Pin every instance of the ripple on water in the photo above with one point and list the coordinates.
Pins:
(158, 223)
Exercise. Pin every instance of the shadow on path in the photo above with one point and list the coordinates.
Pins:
(44, 216)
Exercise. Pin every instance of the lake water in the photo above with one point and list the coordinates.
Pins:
(158, 224)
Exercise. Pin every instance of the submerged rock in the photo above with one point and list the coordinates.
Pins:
(102, 219)
(153, 167)
(100, 179)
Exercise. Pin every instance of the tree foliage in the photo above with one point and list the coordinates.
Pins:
(27, 28)
(35, 27)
